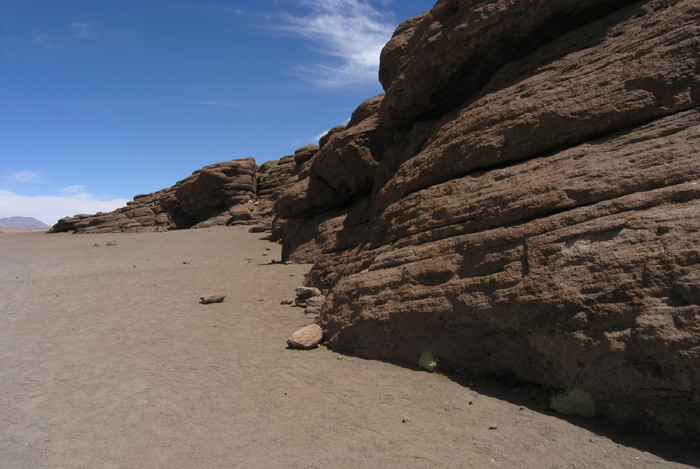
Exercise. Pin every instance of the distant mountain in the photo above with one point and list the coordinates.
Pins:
(25, 223)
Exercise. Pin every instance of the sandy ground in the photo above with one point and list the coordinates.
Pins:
(108, 360)
(9, 229)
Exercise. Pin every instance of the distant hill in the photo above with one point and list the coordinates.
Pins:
(24, 223)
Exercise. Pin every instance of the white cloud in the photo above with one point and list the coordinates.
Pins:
(351, 31)
(50, 208)
(31, 177)
(72, 189)
(83, 31)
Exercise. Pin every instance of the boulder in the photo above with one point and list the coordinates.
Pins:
(241, 213)
(306, 338)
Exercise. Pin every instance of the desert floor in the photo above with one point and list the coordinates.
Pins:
(107, 359)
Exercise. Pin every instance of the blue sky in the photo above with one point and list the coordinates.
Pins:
(102, 100)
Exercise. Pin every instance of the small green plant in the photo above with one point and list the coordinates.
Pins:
(428, 361)
(574, 401)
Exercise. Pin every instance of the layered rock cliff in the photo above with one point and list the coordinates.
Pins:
(228, 193)
(523, 200)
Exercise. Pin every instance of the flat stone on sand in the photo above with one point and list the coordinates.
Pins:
(218, 298)
(306, 338)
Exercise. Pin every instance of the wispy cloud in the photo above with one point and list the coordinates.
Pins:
(43, 39)
(216, 103)
(50, 208)
(352, 32)
(26, 177)
(83, 31)
(75, 191)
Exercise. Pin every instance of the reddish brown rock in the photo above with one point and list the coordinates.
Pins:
(240, 213)
(304, 154)
(200, 200)
(274, 174)
(306, 338)
(211, 191)
(534, 209)
(346, 161)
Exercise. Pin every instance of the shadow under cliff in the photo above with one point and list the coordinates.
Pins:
(535, 398)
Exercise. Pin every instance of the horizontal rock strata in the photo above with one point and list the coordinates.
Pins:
(523, 200)
(229, 193)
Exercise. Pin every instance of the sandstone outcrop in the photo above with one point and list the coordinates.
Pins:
(144, 213)
(219, 194)
(524, 200)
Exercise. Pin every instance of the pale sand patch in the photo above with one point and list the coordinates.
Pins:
(9, 229)
(109, 360)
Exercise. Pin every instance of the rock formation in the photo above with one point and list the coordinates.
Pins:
(523, 201)
(218, 194)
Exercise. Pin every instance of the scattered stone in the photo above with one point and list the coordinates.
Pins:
(315, 301)
(493, 427)
(307, 292)
(287, 301)
(313, 306)
(300, 302)
(112, 243)
(258, 229)
(219, 298)
(306, 338)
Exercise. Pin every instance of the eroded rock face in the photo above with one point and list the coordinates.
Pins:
(217, 194)
(144, 213)
(313, 207)
(531, 205)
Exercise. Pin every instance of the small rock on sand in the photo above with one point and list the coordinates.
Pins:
(306, 338)
(219, 298)
(307, 292)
